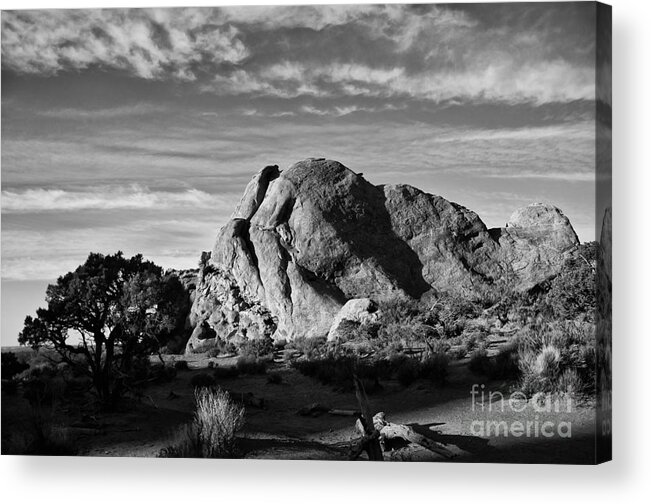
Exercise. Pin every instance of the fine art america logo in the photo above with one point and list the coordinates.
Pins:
(513, 415)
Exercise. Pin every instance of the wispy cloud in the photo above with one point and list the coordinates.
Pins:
(434, 53)
(494, 80)
(104, 198)
(151, 44)
(135, 110)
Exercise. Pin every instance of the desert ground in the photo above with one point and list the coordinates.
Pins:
(276, 428)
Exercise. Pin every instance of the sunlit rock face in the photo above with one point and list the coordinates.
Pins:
(304, 241)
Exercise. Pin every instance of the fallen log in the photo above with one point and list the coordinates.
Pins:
(345, 412)
(390, 430)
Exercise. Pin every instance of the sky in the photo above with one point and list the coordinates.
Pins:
(137, 130)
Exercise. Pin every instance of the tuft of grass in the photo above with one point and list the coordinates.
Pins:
(212, 432)
(556, 357)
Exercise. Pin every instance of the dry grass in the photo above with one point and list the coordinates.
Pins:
(212, 432)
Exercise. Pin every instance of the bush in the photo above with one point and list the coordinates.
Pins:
(181, 365)
(11, 366)
(311, 348)
(212, 433)
(10, 387)
(43, 389)
(227, 372)
(336, 370)
(505, 364)
(257, 348)
(251, 365)
(275, 378)
(202, 380)
(572, 293)
(557, 355)
(407, 370)
(570, 382)
(480, 363)
(435, 368)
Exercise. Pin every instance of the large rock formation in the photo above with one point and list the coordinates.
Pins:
(534, 242)
(303, 242)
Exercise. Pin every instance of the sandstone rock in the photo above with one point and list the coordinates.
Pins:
(230, 314)
(360, 311)
(452, 243)
(304, 242)
(534, 244)
(255, 191)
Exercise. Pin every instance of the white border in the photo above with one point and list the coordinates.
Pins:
(103, 480)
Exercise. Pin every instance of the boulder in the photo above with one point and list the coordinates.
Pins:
(358, 311)
(304, 242)
(221, 310)
(534, 244)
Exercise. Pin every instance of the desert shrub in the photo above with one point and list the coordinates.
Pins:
(274, 378)
(435, 367)
(53, 440)
(10, 387)
(480, 363)
(212, 432)
(570, 382)
(11, 366)
(547, 362)
(311, 348)
(459, 353)
(549, 350)
(77, 386)
(257, 348)
(181, 365)
(572, 293)
(437, 346)
(407, 370)
(471, 342)
(248, 364)
(226, 372)
(202, 380)
(43, 389)
(505, 365)
(339, 370)
(163, 373)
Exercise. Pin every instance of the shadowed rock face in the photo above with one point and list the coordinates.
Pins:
(304, 241)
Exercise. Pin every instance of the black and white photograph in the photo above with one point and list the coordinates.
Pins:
(310, 232)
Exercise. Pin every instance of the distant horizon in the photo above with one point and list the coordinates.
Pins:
(138, 129)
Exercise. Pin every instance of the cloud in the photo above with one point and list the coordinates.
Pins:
(150, 44)
(344, 110)
(135, 110)
(433, 53)
(109, 198)
(545, 82)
